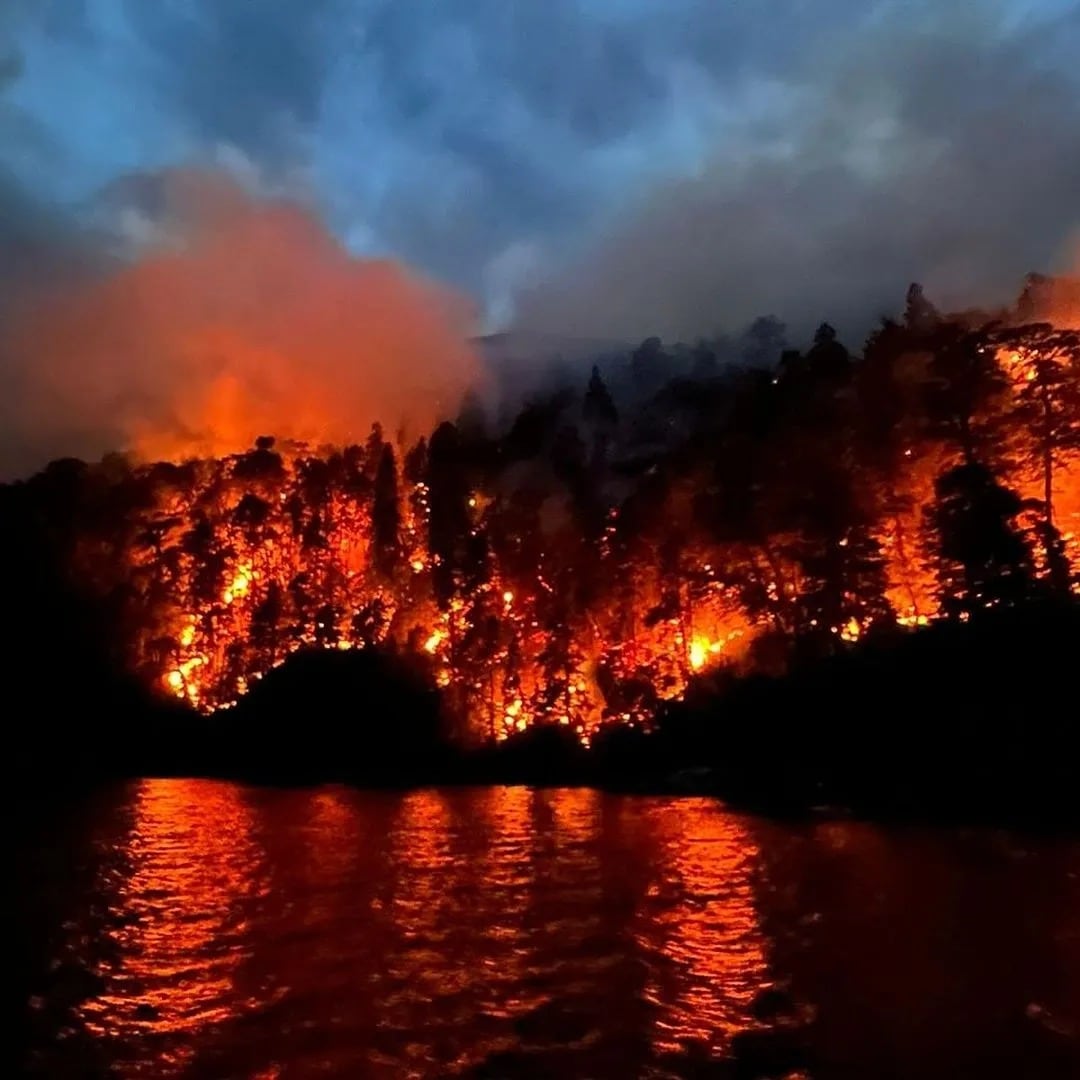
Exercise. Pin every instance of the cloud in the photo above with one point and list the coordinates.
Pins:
(441, 133)
(609, 168)
(930, 146)
(253, 321)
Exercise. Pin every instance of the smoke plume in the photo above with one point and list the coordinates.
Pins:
(240, 318)
(927, 145)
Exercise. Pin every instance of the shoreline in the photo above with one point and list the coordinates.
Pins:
(1056, 819)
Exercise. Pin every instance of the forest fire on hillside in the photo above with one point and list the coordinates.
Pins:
(239, 561)
(549, 575)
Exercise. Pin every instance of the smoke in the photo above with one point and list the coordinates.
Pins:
(241, 317)
(595, 170)
(931, 145)
(1065, 310)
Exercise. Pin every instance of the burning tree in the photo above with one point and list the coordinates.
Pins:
(582, 566)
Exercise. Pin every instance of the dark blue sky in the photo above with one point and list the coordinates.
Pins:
(603, 146)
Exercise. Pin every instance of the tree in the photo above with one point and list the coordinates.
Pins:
(448, 513)
(764, 340)
(704, 364)
(1033, 300)
(266, 620)
(984, 561)
(844, 579)
(261, 464)
(919, 314)
(882, 408)
(386, 515)
(966, 390)
(647, 364)
(472, 420)
(373, 451)
(828, 359)
(598, 409)
(1046, 365)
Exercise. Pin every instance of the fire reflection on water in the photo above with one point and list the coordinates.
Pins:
(702, 923)
(422, 934)
(180, 925)
(213, 931)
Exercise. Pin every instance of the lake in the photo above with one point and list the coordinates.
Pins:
(203, 929)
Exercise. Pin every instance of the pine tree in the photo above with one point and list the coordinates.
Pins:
(598, 409)
(828, 359)
(1046, 366)
(984, 561)
(764, 341)
(373, 449)
(448, 514)
(919, 314)
(646, 361)
(386, 515)
(964, 398)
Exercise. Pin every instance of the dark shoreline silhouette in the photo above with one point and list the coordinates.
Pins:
(956, 723)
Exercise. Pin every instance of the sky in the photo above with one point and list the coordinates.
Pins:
(603, 168)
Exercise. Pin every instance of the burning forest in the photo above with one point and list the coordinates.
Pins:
(615, 541)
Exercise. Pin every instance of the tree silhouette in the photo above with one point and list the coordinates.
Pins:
(448, 521)
(764, 341)
(920, 315)
(828, 358)
(647, 364)
(386, 515)
(704, 364)
(984, 561)
(964, 396)
(598, 409)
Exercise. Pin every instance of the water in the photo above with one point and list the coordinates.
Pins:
(201, 929)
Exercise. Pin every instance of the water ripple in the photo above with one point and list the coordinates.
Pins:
(220, 931)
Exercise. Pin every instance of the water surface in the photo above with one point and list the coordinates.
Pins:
(199, 929)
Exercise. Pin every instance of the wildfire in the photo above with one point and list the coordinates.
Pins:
(240, 585)
(249, 579)
(703, 653)
(235, 562)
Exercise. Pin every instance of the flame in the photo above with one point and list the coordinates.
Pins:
(227, 595)
(703, 652)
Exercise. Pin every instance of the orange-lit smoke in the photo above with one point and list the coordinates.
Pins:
(1065, 295)
(253, 320)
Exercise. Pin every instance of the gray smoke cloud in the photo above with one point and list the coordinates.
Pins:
(937, 146)
(602, 169)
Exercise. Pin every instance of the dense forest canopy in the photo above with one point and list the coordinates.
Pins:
(681, 515)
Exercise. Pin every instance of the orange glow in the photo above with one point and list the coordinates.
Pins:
(255, 555)
(195, 872)
(259, 322)
(716, 945)
(330, 595)
(220, 640)
(704, 652)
